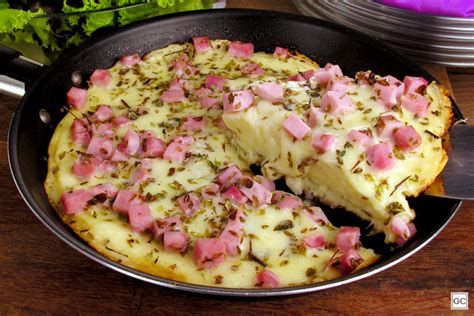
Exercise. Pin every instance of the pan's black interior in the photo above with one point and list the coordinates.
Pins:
(322, 41)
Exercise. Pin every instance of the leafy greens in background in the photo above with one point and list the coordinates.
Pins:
(26, 27)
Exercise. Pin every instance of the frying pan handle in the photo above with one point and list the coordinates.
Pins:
(17, 71)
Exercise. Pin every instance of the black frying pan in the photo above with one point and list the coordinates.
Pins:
(322, 41)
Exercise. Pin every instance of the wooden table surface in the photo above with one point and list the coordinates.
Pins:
(40, 274)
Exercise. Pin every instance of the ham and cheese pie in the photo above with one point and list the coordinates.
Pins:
(151, 165)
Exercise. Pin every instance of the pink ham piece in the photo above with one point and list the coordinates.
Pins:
(209, 252)
(80, 132)
(101, 78)
(415, 103)
(380, 156)
(139, 216)
(128, 61)
(308, 74)
(407, 138)
(76, 97)
(103, 114)
(175, 85)
(120, 121)
(130, 143)
(359, 137)
(285, 201)
(107, 166)
(124, 200)
(103, 130)
(386, 124)
(238, 100)
(174, 241)
(280, 52)
(349, 261)
(267, 279)
(186, 139)
(100, 147)
(239, 49)
(188, 203)
(316, 117)
(140, 175)
(229, 176)
(201, 44)
(210, 191)
(326, 74)
(414, 84)
(401, 240)
(83, 167)
(215, 82)
(176, 151)
(173, 96)
(151, 146)
(107, 189)
(323, 143)
(347, 238)
(233, 193)
(316, 215)
(296, 127)
(297, 77)
(270, 91)
(340, 84)
(193, 124)
(256, 192)
(208, 102)
(232, 233)
(75, 201)
(389, 90)
(267, 183)
(399, 227)
(202, 92)
(118, 156)
(252, 69)
(314, 241)
(169, 224)
(336, 102)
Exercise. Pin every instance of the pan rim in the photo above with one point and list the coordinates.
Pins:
(76, 243)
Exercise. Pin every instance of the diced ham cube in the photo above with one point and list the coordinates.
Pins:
(316, 117)
(130, 143)
(270, 91)
(386, 124)
(239, 49)
(399, 227)
(76, 97)
(296, 127)
(297, 77)
(414, 84)
(103, 130)
(175, 85)
(340, 84)
(329, 72)
(380, 156)
(176, 151)
(202, 92)
(252, 69)
(100, 147)
(139, 216)
(256, 192)
(231, 236)
(83, 167)
(186, 139)
(151, 146)
(169, 224)
(280, 52)
(128, 61)
(349, 261)
(173, 96)
(175, 241)
(201, 44)
(336, 102)
(193, 124)
(407, 138)
(210, 191)
(285, 201)
(316, 215)
(359, 137)
(124, 200)
(347, 238)
(267, 279)
(314, 241)
(415, 103)
(180, 62)
(401, 240)
(209, 252)
(308, 74)
(103, 114)
(75, 201)
(189, 203)
(118, 156)
(233, 193)
(215, 82)
(323, 143)
(229, 176)
(389, 90)
(267, 183)
(120, 121)
(105, 189)
(209, 102)
(140, 175)
(237, 100)
(107, 166)
(80, 132)
(101, 78)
